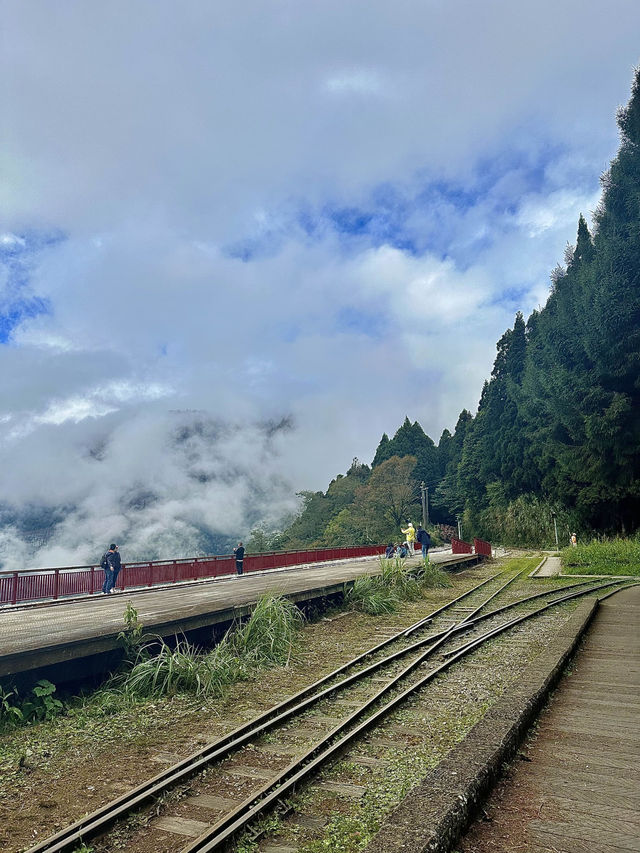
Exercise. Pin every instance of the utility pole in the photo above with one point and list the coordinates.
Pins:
(424, 498)
(555, 527)
(459, 527)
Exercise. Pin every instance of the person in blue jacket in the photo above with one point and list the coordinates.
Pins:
(424, 538)
(111, 565)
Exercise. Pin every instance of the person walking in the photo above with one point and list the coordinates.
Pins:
(410, 534)
(111, 564)
(238, 553)
(424, 538)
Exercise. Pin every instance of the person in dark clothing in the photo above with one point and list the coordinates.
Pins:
(238, 553)
(111, 565)
(424, 538)
(389, 551)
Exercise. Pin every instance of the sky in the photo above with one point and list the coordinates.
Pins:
(239, 241)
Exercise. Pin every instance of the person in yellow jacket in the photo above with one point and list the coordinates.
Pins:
(410, 534)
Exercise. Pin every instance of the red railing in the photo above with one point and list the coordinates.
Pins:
(38, 584)
(460, 547)
(481, 547)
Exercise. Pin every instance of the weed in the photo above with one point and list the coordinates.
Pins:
(10, 714)
(371, 596)
(131, 638)
(43, 705)
(180, 669)
(382, 593)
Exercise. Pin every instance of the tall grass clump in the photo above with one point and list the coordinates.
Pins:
(267, 638)
(397, 577)
(431, 577)
(184, 669)
(607, 557)
(383, 593)
(371, 596)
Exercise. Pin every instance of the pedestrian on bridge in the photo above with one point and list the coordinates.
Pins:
(111, 564)
(424, 538)
(238, 553)
(410, 533)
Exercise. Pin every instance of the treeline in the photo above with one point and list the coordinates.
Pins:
(558, 424)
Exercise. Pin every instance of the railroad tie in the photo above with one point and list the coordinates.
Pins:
(212, 802)
(277, 748)
(182, 826)
(367, 761)
(251, 772)
(165, 758)
(343, 789)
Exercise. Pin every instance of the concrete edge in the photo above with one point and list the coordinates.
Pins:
(436, 812)
(538, 567)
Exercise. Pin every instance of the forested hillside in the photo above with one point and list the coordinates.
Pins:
(558, 423)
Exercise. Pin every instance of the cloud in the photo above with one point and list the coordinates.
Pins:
(358, 81)
(219, 219)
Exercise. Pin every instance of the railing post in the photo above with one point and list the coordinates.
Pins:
(56, 582)
(175, 571)
(150, 574)
(93, 580)
(14, 589)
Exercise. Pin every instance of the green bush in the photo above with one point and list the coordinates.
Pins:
(382, 593)
(608, 557)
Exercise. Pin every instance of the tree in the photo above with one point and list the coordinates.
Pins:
(388, 499)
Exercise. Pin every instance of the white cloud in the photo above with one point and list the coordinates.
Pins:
(357, 81)
(155, 140)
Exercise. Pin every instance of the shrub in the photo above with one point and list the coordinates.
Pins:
(10, 713)
(608, 557)
(42, 705)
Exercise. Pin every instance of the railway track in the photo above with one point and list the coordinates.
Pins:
(397, 663)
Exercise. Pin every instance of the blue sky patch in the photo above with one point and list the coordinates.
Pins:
(18, 256)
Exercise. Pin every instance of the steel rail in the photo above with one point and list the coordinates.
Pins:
(516, 620)
(98, 820)
(288, 778)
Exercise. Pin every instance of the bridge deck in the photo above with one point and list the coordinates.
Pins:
(36, 636)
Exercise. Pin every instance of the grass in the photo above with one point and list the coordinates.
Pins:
(383, 593)
(609, 557)
(267, 638)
